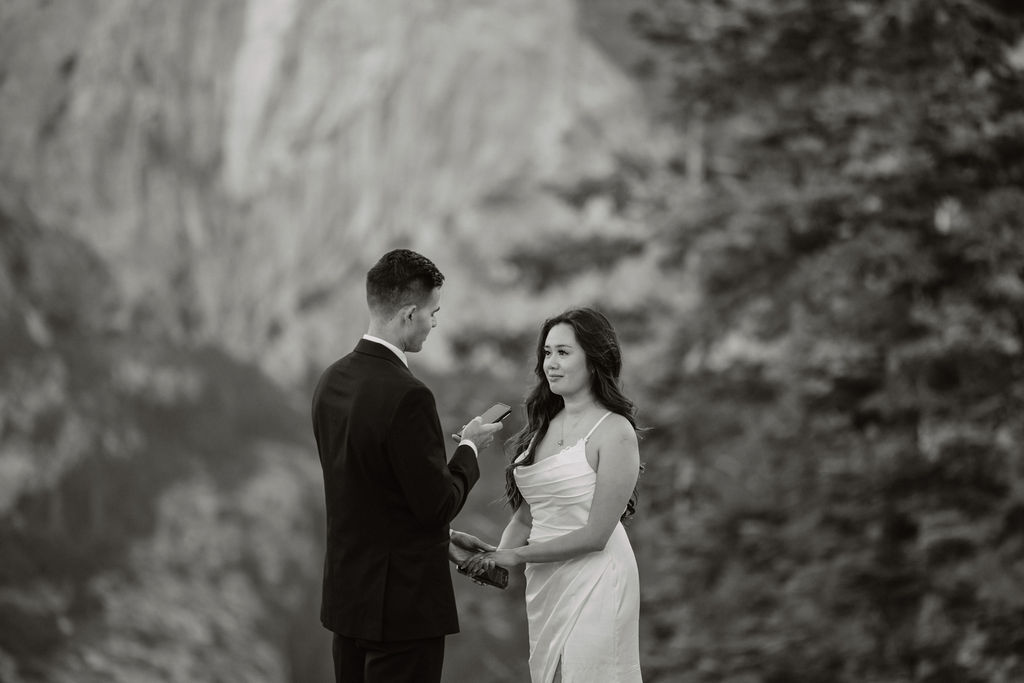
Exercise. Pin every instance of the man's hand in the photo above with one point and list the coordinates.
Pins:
(464, 546)
(479, 433)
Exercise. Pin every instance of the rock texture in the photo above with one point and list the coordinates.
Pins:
(190, 195)
(240, 164)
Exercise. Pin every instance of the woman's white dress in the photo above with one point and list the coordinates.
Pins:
(583, 612)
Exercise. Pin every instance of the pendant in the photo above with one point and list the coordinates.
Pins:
(559, 444)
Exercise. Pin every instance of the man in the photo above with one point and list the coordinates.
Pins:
(387, 590)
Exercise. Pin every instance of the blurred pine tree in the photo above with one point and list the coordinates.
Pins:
(850, 384)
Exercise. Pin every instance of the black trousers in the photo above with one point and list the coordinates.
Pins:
(402, 661)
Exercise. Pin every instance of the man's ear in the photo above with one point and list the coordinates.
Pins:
(406, 312)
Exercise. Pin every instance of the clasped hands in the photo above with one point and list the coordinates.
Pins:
(476, 557)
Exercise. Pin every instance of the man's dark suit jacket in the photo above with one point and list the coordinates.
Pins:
(390, 496)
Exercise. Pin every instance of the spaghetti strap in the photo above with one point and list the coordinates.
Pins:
(587, 437)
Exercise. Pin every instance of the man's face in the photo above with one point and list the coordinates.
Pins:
(424, 319)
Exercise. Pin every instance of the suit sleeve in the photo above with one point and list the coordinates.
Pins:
(434, 488)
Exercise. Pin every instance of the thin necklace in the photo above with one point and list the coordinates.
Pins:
(574, 425)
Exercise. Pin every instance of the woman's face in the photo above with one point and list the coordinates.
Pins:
(565, 363)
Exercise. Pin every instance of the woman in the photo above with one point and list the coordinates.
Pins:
(573, 472)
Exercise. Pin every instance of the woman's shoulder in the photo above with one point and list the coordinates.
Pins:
(614, 427)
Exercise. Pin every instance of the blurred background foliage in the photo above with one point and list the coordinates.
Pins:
(804, 218)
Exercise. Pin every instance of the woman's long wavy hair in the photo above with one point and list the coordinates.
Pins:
(596, 336)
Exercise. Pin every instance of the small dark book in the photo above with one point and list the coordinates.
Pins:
(496, 576)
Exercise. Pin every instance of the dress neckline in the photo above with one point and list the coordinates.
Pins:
(564, 449)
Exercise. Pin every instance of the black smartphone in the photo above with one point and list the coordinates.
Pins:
(496, 413)
(496, 576)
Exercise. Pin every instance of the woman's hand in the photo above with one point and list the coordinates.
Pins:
(481, 562)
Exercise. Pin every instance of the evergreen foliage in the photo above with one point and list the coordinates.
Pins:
(839, 455)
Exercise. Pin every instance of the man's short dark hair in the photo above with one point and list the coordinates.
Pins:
(401, 277)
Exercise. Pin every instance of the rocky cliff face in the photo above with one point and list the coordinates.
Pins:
(190, 195)
(158, 516)
(240, 165)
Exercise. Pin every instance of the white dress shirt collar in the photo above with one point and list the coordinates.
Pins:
(397, 351)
